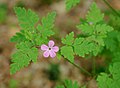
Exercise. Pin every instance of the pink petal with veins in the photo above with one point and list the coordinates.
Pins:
(52, 53)
(44, 47)
(55, 49)
(51, 43)
(46, 53)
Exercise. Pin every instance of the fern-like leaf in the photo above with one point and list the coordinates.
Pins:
(69, 84)
(23, 56)
(67, 50)
(71, 3)
(111, 80)
(19, 37)
(27, 19)
(30, 37)
(94, 15)
(95, 33)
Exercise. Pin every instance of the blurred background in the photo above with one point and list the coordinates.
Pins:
(46, 73)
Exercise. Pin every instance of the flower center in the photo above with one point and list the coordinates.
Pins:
(49, 48)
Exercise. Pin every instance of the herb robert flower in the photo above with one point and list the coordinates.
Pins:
(50, 50)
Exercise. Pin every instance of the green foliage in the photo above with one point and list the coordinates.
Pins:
(27, 19)
(96, 35)
(22, 57)
(59, 56)
(3, 12)
(94, 15)
(112, 41)
(47, 25)
(69, 39)
(67, 50)
(31, 36)
(82, 47)
(104, 81)
(44, 31)
(95, 32)
(60, 86)
(111, 80)
(19, 37)
(69, 84)
(114, 21)
(71, 3)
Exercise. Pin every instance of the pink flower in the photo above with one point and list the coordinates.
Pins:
(50, 50)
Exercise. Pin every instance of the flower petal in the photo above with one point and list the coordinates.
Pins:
(55, 48)
(51, 43)
(52, 53)
(44, 47)
(46, 53)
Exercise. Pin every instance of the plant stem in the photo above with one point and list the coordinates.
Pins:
(106, 2)
(79, 67)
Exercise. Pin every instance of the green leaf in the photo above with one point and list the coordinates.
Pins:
(47, 22)
(69, 84)
(69, 39)
(112, 41)
(116, 56)
(40, 40)
(95, 32)
(104, 81)
(60, 86)
(45, 30)
(111, 80)
(71, 3)
(78, 41)
(30, 37)
(59, 56)
(114, 21)
(19, 37)
(23, 56)
(27, 19)
(67, 52)
(86, 28)
(102, 30)
(94, 15)
(82, 47)
(115, 70)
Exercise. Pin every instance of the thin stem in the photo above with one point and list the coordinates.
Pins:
(79, 67)
(106, 2)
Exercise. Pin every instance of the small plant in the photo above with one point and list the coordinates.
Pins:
(96, 36)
